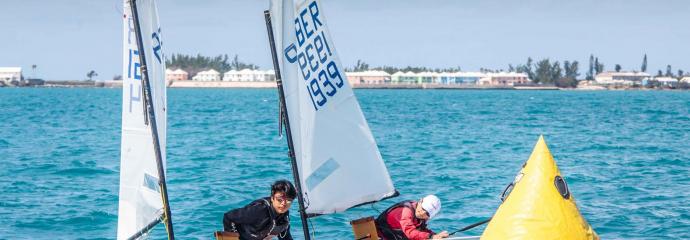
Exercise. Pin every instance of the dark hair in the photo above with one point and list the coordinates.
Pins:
(284, 186)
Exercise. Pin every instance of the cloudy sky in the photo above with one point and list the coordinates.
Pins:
(67, 38)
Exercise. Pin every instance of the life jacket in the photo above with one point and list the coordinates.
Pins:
(395, 234)
(268, 227)
(274, 230)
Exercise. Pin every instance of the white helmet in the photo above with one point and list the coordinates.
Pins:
(432, 205)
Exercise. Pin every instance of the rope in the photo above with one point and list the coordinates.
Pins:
(471, 226)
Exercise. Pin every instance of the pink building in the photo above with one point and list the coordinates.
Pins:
(368, 77)
(177, 75)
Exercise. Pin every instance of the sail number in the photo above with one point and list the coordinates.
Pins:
(313, 56)
(134, 62)
(133, 66)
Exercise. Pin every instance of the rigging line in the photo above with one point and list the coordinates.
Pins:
(147, 228)
(374, 208)
(281, 119)
(313, 230)
(463, 238)
(117, 9)
(470, 226)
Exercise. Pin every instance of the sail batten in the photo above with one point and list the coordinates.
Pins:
(336, 154)
(143, 143)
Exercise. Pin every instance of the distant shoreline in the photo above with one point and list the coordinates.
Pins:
(263, 85)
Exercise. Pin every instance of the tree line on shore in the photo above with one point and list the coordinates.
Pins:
(194, 64)
(544, 71)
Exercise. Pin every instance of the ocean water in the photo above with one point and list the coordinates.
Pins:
(625, 155)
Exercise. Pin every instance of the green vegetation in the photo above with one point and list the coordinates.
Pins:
(590, 73)
(544, 71)
(194, 64)
(91, 74)
(363, 66)
(547, 72)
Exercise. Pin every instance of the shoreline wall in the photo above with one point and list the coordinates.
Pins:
(220, 84)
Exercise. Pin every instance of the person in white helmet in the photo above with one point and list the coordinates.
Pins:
(408, 220)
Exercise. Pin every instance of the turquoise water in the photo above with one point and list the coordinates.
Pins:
(626, 156)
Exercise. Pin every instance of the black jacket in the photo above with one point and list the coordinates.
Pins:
(257, 220)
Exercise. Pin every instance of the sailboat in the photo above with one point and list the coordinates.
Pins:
(335, 160)
(336, 163)
(143, 197)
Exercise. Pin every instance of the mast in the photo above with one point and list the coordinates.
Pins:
(151, 116)
(284, 117)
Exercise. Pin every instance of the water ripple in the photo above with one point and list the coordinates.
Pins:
(624, 155)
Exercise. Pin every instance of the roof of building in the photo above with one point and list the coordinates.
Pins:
(404, 74)
(666, 79)
(458, 74)
(250, 71)
(427, 74)
(371, 73)
(469, 74)
(10, 69)
(506, 74)
(210, 71)
(623, 74)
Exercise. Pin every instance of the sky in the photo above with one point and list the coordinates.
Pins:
(68, 38)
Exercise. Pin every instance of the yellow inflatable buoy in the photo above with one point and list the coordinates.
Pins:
(540, 206)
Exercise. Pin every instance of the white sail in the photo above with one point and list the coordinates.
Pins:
(337, 157)
(140, 197)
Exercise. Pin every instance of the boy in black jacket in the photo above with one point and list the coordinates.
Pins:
(264, 218)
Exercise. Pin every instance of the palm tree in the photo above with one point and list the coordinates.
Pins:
(91, 74)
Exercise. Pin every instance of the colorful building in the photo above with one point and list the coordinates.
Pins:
(177, 75)
(468, 78)
(405, 78)
(427, 77)
(368, 77)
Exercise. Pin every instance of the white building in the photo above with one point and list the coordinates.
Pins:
(505, 78)
(207, 76)
(231, 76)
(460, 77)
(267, 76)
(249, 75)
(10, 74)
(621, 78)
(666, 81)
